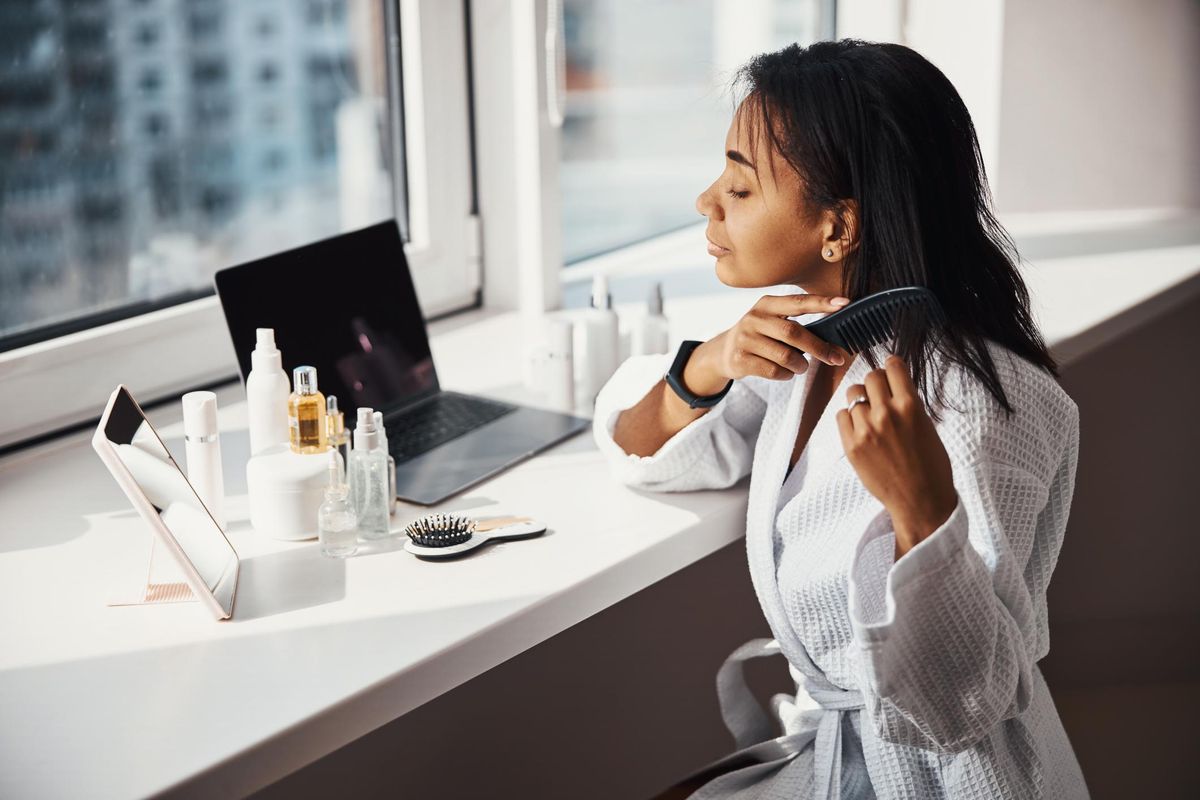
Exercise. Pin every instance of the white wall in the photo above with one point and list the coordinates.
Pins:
(1100, 105)
(1080, 105)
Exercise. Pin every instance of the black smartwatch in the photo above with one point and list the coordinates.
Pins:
(674, 378)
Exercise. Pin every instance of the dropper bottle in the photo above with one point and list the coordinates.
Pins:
(337, 521)
(335, 429)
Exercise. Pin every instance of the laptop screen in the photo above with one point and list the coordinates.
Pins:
(344, 305)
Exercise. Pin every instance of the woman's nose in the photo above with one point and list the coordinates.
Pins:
(704, 203)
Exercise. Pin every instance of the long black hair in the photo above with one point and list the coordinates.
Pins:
(878, 124)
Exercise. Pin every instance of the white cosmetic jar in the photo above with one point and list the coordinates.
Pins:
(286, 490)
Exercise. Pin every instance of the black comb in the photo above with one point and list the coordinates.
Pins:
(873, 319)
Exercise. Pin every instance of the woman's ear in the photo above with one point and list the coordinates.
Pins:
(840, 231)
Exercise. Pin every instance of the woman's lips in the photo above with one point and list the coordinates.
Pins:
(716, 249)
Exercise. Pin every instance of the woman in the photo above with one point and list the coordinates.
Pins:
(900, 546)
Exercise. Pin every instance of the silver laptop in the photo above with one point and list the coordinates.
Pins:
(347, 306)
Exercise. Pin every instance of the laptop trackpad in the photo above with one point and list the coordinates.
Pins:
(448, 468)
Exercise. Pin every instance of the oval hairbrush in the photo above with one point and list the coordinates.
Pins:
(437, 536)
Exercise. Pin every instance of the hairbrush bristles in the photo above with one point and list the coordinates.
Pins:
(440, 530)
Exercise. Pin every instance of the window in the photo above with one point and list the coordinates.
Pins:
(168, 197)
(645, 109)
(147, 34)
(268, 73)
(150, 81)
(118, 201)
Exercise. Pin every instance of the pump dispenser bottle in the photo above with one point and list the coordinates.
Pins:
(391, 462)
(368, 478)
(598, 340)
(267, 392)
(650, 331)
(306, 413)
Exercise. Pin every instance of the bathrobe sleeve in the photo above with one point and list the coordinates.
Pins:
(948, 635)
(713, 451)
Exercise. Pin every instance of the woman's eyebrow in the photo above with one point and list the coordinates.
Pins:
(734, 155)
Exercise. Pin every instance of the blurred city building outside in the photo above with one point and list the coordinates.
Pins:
(145, 144)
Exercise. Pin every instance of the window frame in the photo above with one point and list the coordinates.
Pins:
(523, 264)
(63, 381)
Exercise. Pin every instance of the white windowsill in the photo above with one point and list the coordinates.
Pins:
(379, 635)
(1073, 231)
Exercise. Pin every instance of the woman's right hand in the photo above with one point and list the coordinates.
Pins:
(764, 342)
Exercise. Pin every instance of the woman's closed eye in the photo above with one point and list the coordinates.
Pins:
(739, 195)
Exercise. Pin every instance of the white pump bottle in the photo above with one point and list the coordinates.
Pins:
(267, 390)
(597, 343)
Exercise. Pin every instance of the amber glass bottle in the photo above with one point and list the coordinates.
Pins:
(306, 413)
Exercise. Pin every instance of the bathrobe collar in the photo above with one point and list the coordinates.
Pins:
(821, 453)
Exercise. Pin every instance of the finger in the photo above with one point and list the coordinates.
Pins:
(856, 390)
(754, 364)
(796, 335)
(776, 351)
(899, 380)
(877, 388)
(860, 409)
(793, 305)
(845, 427)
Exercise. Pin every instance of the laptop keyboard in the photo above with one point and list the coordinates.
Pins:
(437, 421)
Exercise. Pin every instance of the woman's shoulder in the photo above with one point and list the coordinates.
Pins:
(1043, 423)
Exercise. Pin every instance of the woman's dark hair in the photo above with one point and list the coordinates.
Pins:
(878, 124)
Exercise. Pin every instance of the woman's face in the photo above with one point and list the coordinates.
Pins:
(758, 226)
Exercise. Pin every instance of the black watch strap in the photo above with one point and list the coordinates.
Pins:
(674, 379)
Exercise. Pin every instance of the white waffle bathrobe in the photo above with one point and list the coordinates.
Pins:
(920, 676)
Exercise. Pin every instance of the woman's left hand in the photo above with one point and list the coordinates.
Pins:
(893, 445)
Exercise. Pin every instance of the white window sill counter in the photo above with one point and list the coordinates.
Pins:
(131, 701)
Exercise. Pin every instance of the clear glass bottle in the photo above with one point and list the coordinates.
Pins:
(369, 478)
(335, 428)
(337, 521)
(306, 413)
(391, 462)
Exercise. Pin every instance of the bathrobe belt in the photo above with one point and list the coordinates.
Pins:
(756, 732)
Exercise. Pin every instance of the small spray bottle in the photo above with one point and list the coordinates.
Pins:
(267, 391)
(391, 462)
(368, 478)
(337, 521)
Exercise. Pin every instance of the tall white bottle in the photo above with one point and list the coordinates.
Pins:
(267, 390)
(650, 333)
(560, 365)
(202, 447)
(597, 343)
